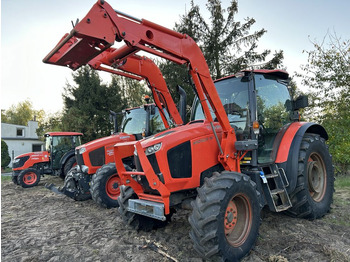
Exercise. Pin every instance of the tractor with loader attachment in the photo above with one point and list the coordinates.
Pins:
(57, 159)
(246, 150)
(88, 179)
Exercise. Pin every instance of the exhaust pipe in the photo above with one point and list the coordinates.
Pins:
(113, 118)
(182, 102)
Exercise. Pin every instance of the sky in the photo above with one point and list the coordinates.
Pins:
(31, 29)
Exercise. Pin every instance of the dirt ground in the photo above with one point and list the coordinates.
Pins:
(38, 225)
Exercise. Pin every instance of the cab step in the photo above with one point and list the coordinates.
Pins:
(274, 187)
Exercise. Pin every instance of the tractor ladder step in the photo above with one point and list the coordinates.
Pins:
(274, 186)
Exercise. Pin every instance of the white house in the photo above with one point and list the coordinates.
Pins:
(21, 139)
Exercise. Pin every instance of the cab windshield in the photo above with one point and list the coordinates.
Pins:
(48, 140)
(233, 94)
(134, 121)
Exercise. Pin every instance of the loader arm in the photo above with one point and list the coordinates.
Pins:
(142, 68)
(98, 30)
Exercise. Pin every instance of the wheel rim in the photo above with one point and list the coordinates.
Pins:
(112, 187)
(316, 172)
(29, 178)
(69, 182)
(238, 220)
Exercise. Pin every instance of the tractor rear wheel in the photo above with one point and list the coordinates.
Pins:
(29, 177)
(71, 162)
(313, 194)
(105, 186)
(137, 221)
(226, 217)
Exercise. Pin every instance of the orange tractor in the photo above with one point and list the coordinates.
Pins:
(57, 159)
(247, 148)
(87, 180)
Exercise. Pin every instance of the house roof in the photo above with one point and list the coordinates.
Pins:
(63, 134)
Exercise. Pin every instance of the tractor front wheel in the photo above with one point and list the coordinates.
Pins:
(105, 186)
(29, 177)
(226, 217)
(313, 194)
(73, 182)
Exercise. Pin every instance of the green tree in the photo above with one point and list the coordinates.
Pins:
(327, 74)
(21, 113)
(131, 91)
(227, 44)
(87, 104)
(51, 122)
(5, 157)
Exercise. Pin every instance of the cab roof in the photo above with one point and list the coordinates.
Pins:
(276, 72)
(63, 134)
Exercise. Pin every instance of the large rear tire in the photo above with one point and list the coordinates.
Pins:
(226, 217)
(137, 221)
(105, 186)
(29, 177)
(71, 162)
(313, 194)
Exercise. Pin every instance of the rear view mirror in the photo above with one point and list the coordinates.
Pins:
(301, 102)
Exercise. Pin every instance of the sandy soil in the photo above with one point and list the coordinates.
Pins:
(38, 225)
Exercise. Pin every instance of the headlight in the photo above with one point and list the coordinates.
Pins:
(16, 160)
(82, 150)
(152, 149)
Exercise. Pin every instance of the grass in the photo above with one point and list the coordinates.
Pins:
(339, 214)
(342, 182)
(5, 178)
(6, 170)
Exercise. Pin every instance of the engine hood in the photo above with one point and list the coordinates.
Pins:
(34, 154)
(105, 141)
(182, 133)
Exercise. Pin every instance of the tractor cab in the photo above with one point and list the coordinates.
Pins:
(258, 105)
(59, 145)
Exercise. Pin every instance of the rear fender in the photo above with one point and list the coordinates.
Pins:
(288, 151)
(65, 158)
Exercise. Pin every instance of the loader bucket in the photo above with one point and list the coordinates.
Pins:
(74, 52)
(86, 40)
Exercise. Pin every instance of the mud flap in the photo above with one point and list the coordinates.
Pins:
(58, 190)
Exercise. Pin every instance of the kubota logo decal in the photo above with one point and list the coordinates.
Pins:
(110, 152)
(202, 140)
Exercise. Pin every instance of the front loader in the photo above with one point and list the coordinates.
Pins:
(229, 169)
(88, 179)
